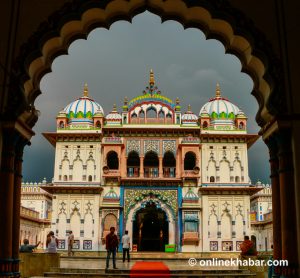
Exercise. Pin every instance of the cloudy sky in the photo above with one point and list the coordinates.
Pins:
(116, 63)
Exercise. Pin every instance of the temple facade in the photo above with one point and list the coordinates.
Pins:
(165, 174)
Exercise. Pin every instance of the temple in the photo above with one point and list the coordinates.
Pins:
(168, 176)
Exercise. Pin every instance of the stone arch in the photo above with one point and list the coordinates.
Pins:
(171, 216)
(76, 19)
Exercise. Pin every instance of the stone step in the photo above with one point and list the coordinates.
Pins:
(172, 275)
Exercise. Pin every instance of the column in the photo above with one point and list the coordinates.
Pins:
(141, 167)
(17, 205)
(287, 204)
(6, 206)
(274, 166)
(160, 167)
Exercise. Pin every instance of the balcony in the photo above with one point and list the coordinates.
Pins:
(169, 172)
(195, 173)
(113, 173)
(151, 172)
(133, 172)
(190, 238)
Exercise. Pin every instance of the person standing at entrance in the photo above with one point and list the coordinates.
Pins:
(126, 246)
(70, 244)
(112, 244)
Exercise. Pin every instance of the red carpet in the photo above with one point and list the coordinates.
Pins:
(149, 269)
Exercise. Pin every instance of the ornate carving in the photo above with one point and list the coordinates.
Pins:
(133, 145)
(151, 145)
(169, 146)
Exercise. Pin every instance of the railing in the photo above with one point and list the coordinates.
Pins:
(169, 172)
(151, 172)
(133, 172)
(151, 121)
(190, 173)
(114, 140)
(190, 140)
(111, 173)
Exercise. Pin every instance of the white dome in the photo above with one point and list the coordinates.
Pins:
(113, 116)
(83, 108)
(189, 117)
(220, 108)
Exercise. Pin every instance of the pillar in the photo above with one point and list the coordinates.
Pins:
(160, 167)
(141, 167)
(6, 205)
(274, 166)
(287, 204)
(17, 205)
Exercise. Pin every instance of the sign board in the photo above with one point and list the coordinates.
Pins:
(134, 248)
(170, 248)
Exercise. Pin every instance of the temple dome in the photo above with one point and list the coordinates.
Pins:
(83, 109)
(220, 108)
(114, 116)
(189, 117)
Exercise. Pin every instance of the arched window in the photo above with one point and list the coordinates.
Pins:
(110, 221)
(241, 125)
(90, 178)
(98, 124)
(151, 113)
(205, 125)
(189, 161)
(65, 177)
(178, 120)
(161, 114)
(169, 164)
(134, 115)
(61, 124)
(212, 179)
(112, 160)
(133, 164)
(169, 116)
(142, 114)
(151, 163)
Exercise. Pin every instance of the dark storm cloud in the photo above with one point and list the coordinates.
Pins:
(115, 63)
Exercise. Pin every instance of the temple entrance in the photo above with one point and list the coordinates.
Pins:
(150, 228)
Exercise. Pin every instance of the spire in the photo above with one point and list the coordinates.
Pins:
(85, 90)
(218, 91)
(114, 108)
(177, 101)
(125, 101)
(189, 108)
(151, 79)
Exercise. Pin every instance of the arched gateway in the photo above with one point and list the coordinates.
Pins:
(275, 87)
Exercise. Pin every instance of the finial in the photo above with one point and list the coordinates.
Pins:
(218, 91)
(177, 101)
(125, 101)
(189, 108)
(151, 79)
(114, 107)
(85, 90)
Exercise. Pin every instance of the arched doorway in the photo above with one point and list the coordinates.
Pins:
(150, 228)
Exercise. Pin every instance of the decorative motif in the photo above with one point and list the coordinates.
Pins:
(89, 208)
(62, 207)
(110, 211)
(133, 196)
(169, 146)
(61, 244)
(111, 196)
(76, 244)
(227, 245)
(133, 145)
(238, 245)
(75, 206)
(213, 246)
(226, 205)
(151, 145)
(190, 197)
(87, 245)
(213, 209)
(239, 209)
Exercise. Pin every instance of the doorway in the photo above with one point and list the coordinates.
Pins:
(151, 229)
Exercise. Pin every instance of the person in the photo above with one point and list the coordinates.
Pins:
(271, 269)
(112, 244)
(70, 244)
(247, 247)
(26, 248)
(126, 246)
(51, 243)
